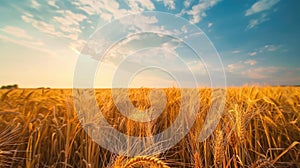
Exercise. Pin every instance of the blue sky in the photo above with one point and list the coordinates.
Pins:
(257, 41)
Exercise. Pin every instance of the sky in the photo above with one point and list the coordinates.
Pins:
(144, 43)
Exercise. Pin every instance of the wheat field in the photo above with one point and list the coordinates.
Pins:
(260, 127)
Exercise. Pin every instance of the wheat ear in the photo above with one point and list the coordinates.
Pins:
(219, 148)
(118, 163)
(198, 161)
(145, 160)
(261, 163)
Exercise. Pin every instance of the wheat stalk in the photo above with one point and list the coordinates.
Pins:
(9, 141)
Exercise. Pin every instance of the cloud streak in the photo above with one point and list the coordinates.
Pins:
(261, 72)
(17, 32)
(33, 44)
(255, 22)
(251, 62)
(260, 6)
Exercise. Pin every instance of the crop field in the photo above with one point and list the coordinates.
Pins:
(259, 127)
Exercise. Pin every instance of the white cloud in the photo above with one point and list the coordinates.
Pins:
(264, 49)
(252, 53)
(271, 47)
(171, 45)
(146, 4)
(69, 23)
(251, 62)
(235, 66)
(40, 25)
(77, 45)
(210, 25)
(255, 22)
(187, 3)
(35, 4)
(198, 66)
(240, 66)
(66, 26)
(53, 3)
(17, 32)
(138, 22)
(33, 44)
(69, 18)
(199, 11)
(89, 7)
(236, 52)
(21, 42)
(108, 9)
(260, 6)
(247, 69)
(184, 29)
(261, 72)
(170, 4)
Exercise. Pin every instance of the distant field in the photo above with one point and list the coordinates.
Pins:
(260, 127)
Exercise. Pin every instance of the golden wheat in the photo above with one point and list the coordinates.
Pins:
(198, 161)
(145, 161)
(256, 122)
(219, 148)
(261, 163)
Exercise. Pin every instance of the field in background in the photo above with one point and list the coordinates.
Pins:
(260, 127)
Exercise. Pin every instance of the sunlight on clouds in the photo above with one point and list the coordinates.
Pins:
(53, 4)
(17, 32)
(22, 37)
(187, 3)
(145, 4)
(138, 23)
(252, 53)
(248, 69)
(152, 78)
(35, 4)
(33, 44)
(69, 18)
(265, 49)
(143, 50)
(235, 67)
(59, 30)
(76, 46)
(108, 9)
(251, 62)
(170, 4)
(261, 72)
(42, 26)
(130, 55)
